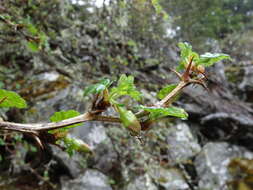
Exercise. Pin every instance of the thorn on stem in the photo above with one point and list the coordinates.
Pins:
(177, 73)
(186, 75)
(37, 139)
(200, 82)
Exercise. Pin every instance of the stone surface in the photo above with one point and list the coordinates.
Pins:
(247, 82)
(141, 183)
(169, 178)
(91, 180)
(75, 165)
(93, 133)
(182, 143)
(211, 164)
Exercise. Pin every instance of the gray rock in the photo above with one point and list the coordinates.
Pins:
(69, 98)
(247, 83)
(48, 76)
(91, 180)
(105, 157)
(76, 164)
(169, 179)
(92, 133)
(182, 143)
(140, 183)
(95, 136)
(211, 164)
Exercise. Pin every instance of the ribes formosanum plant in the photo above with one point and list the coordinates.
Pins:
(191, 70)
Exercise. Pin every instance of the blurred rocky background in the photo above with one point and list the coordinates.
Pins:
(51, 50)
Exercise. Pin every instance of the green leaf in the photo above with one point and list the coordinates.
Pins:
(186, 54)
(33, 46)
(11, 99)
(32, 29)
(208, 59)
(129, 120)
(62, 115)
(75, 145)
(125, 87)
(159, 9)
(156, 113)
(166, 90)
(43, 40)
(185, 50)
(97, 88)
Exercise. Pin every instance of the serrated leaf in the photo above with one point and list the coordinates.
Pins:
(62, 115)
(186, 54)
(11, 99)
(129, 120)
(156, 113)
(166, 90)
(185, 49)
(208, 59)
(125, 87)
(97, 88)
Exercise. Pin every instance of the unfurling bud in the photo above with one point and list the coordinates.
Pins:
(201, 69)
(129, 120)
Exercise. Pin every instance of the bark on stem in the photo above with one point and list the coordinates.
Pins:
(37, 127)
(165, 102)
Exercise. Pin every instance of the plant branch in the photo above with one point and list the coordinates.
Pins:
(38, 127)
(165, 102)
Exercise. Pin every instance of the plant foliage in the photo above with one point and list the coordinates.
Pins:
(129, 120)
(207, 59)
(98, 87)
(11, 99)
(166, 90)
(62, 115)
(125, 87)
(156, 112)
(73, 145)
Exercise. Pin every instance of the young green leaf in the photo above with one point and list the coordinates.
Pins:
(185, 49)
(166, 90)
(11, 99)
(97, 88)
(75, 145)
(125, 87)
(62, 115)
(129, 120)
(208, 59)
(186, 54)
(156, 113)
